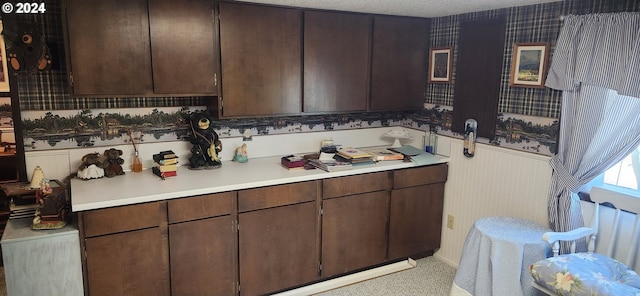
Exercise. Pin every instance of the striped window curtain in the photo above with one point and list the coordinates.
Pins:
(596, 64)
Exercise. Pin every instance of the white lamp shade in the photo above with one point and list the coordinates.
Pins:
(36, 178)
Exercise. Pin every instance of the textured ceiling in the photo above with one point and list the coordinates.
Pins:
(420, 8)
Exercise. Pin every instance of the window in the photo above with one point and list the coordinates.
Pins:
(623, 176)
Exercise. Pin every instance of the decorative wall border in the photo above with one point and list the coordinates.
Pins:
(107, 127)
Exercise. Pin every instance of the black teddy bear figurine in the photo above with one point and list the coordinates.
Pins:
(206, 144)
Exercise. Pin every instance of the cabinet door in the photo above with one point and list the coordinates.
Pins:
(416, 220)
(123, 218)
(356, 184)
(354, 232)
(108, 43)
(278, 248)
(129, 263)
(336, 61)
(399, 63)
(420, 176)
(261, 60)
(278, 195)
(200, 207)
(202, 257)
(183, 47)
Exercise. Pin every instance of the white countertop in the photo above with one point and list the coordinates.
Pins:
(144, 186)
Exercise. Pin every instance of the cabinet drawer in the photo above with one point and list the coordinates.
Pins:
(199, 207)
(356, 184)
(125, 218)
(274, 196)
(420, 176)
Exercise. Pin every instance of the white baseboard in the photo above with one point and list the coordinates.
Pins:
(446, 260)
(350, 279)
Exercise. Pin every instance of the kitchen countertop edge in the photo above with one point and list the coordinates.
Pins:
(133, 188)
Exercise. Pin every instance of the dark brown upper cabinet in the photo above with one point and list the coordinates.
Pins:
(399, 63)
(478, 75)
(108, 44)
(183, 47)
(261, 60)
(336, 61)
(141, 47)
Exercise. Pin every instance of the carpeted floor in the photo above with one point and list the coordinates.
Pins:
(430, 277)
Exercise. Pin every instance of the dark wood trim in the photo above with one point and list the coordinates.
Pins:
(478, 75)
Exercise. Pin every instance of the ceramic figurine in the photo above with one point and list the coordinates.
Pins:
(92, 167)
(113, 162)
(241, 154)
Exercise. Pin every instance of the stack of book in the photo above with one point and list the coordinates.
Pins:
(293, 162)
(330, 165)
(166, 164)
(354, 156)
(383, 153)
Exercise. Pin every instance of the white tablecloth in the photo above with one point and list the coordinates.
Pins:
(496, 257)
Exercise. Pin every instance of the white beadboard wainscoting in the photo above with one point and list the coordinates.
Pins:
(495, 182)
(54, 163)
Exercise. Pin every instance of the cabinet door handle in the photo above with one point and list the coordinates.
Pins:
(215, 79)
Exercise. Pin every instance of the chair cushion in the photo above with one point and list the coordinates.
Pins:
(585, 274)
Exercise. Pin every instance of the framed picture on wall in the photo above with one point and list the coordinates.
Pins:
(440, 65)
(529, 64)
(4, 76)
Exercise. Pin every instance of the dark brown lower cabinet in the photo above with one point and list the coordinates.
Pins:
(278, 248)
(354, 232)
(286, 236)
(126, 250)
(202, 244)
(415, 220)
(129, 263)
(202, 257)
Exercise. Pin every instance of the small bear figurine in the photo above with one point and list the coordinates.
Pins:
(92, 166)
(206, 144)
(113, 162)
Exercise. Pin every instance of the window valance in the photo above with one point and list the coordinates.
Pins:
(598, 49)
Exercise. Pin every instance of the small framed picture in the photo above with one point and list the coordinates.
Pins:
(529, 65)
(440, 65)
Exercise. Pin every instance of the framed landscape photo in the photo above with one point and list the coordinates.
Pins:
(529, 65)
(440, 65)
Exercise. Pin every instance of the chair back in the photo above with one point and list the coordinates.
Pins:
(617, 229)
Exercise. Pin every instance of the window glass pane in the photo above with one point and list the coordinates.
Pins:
(623, 174)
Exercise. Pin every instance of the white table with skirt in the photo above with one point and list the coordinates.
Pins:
(496, 257)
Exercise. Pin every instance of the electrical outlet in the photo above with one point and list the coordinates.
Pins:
(450, 221)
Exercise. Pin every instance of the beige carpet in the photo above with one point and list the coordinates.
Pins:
(430, 277)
